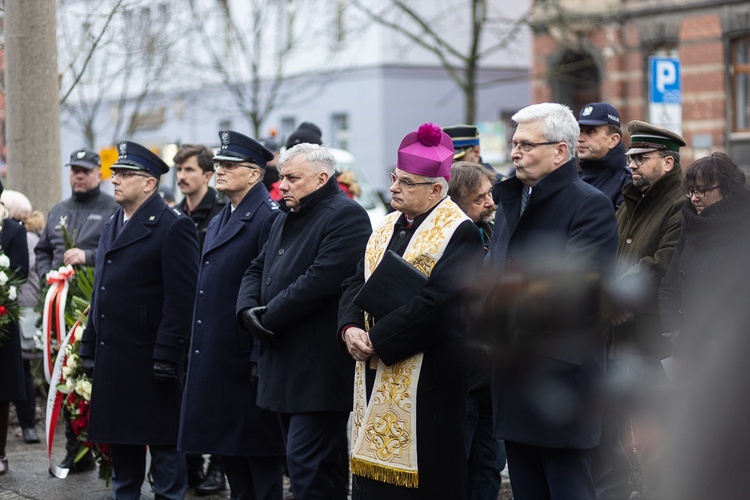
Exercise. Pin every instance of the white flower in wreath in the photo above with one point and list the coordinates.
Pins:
(72, 362)
(83, 387)
(4, 261)
(12, 294)
(70, 384)
(3, 278)
(66, 373)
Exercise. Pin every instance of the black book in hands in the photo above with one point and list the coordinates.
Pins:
(394, 283)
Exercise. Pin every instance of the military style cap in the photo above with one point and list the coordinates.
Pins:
(84, 158)
(645, 138)
(463, 137)
(133, 156)
(237, 148)
(599, 113)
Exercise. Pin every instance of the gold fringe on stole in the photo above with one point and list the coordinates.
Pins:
(384, 429)
(382, 473)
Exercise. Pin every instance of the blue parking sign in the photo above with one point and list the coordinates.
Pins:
(665, 80)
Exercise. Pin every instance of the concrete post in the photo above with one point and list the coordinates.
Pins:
(32, 101)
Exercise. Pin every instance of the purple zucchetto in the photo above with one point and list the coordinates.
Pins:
(427, 152)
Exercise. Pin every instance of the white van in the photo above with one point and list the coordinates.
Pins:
(368, 196)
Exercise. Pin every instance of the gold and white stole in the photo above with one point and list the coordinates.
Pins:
(384, 431)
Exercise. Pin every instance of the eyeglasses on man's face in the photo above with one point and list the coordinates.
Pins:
(406, 183)
(127, 174)
(640, 159)
(230, 166)
(526, 147)
(699, 192)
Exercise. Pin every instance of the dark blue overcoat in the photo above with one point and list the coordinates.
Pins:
(545, 399)
(219, 414)
(144, 288)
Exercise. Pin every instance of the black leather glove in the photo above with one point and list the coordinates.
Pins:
(165, 371)
(251, 319)
(87, 366)
(254, 374)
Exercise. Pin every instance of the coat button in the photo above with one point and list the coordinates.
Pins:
(205, 263)
(511, 258)
(281, 251)
(200, 292)
(109, 261)
(629, 241)
(101, 316)
(402, 233)
(196, 352)
(268, 281)
(101, 343)
(199, 322)
(102, 289)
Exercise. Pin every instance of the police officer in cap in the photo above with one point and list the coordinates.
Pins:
(139, 328)
(222, 370)
(466, 148)
(601, 152)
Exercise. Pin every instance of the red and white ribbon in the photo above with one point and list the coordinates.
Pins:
(55, 400)
(53, 315)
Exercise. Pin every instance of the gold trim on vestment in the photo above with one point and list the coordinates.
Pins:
(384, 430)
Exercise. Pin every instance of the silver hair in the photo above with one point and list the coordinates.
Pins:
(559, 123)
(441, 181)
(318, 155)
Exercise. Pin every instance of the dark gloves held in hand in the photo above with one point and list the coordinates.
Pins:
(87, 365)
(251, 319)
(164, 371)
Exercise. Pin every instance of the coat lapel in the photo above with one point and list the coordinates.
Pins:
(139, 225)
(241, 216)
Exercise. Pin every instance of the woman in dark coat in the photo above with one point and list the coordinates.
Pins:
(704, 298)
(704, 291)
(13, 245)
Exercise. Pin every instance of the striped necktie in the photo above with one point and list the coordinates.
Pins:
(525, 194)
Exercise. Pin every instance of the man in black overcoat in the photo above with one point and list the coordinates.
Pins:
(550, 362)
(139, 328)
(219, 413)
(289, 299)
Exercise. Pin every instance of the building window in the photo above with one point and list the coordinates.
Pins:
(340, 129)
(288, 124)
(740, 71)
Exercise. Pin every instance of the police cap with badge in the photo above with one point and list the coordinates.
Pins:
(645, 138)
(84, 158)
(237, 148)
(133, 156)
(599, 113)
(463, 137)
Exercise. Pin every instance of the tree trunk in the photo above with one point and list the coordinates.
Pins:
(32, 101)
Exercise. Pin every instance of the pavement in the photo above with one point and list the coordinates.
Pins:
(28, 476)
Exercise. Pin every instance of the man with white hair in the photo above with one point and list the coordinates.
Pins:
(554, 237)
(288, 300)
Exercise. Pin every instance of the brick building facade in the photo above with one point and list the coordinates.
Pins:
(585, 51)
